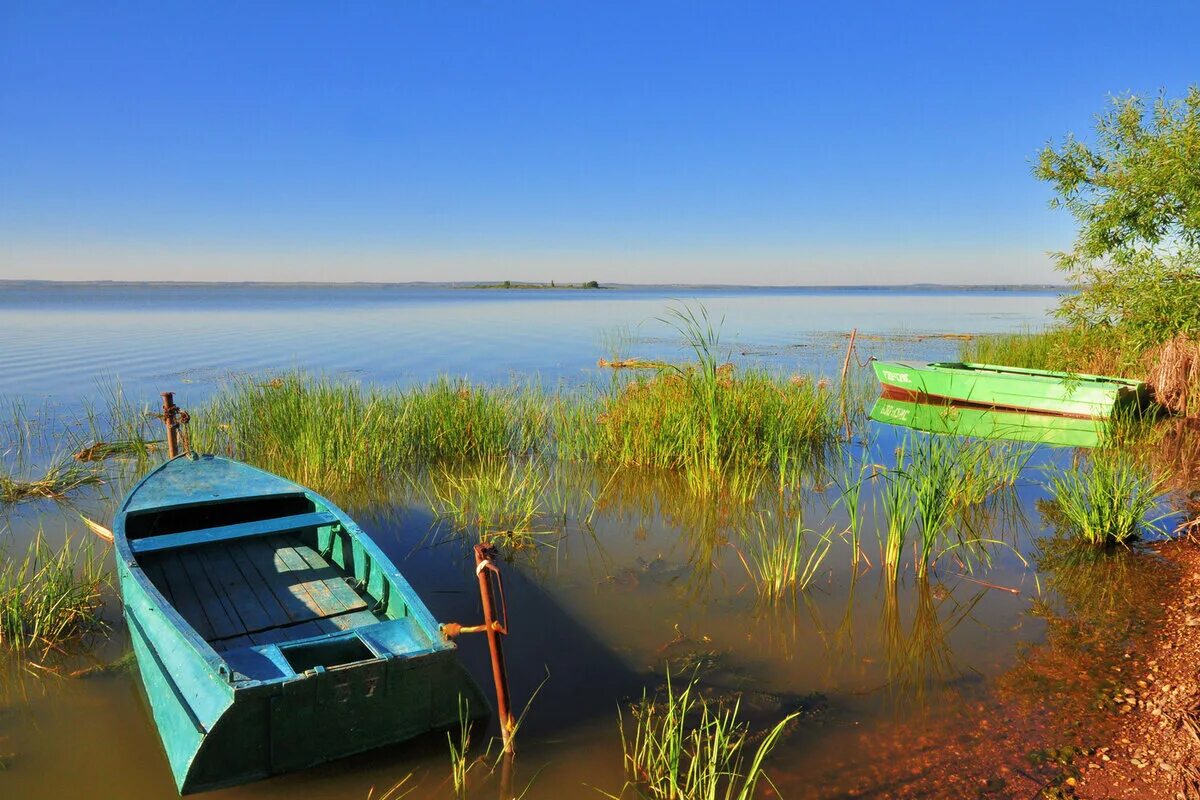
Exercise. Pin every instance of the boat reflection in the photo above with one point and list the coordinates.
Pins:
(989, 423)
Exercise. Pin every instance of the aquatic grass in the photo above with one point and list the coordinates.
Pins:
(854, 474)
(683, 746)
(934, 471)
(703, 417)
(123, 429)
(48, 596)
(778, 556)
(900, 514)
(332, 435)
(1107, 501)
(459, 766)
(63, 476)
(500, 499)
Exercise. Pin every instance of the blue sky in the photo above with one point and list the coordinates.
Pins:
(660, 142)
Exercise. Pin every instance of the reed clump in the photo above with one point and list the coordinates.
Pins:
(704, 418)
(935, 481)
(782, 557)
(49, 596)
(333, 435)
(1107, 501)
(500, 500)
(683, 746)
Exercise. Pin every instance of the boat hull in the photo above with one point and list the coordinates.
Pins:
(371, 669)
(216, 735)
(987, 386)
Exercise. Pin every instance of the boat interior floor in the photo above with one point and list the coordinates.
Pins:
(257, 591)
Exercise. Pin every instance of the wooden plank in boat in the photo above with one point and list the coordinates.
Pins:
(222, 616)
(344, 622)
(225, 576)
(185, 602)
(337, 585)
(259, 556)
(314, 580)
(155, 574)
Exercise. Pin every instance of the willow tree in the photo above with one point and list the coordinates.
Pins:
(1135, 192)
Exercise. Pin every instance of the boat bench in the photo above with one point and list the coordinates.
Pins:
(225, 533)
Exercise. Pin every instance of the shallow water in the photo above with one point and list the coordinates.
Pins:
(653, 577)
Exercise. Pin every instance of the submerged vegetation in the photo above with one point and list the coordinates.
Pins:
(49, 595)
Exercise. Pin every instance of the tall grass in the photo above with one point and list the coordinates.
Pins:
(459, 765)
(702, 418)
(332, 435)
(1107, 501)
(683, 746)
(498, 498)
(49, 596)
(900, 514)
(936, 482)
(853, 476)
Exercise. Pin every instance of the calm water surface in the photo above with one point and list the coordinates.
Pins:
(653, 579)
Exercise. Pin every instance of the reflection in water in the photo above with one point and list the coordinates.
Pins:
(918, 655)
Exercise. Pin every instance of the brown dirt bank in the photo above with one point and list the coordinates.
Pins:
(1155, 751)
(1107, 707)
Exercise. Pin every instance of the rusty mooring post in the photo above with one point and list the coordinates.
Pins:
(484, 553)
(170, 418)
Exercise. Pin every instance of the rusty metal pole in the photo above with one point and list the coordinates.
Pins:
(484, 554)
(171, 420)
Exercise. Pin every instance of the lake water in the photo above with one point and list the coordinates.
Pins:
(650, 579)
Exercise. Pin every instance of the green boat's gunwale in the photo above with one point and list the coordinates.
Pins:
(1021, 373)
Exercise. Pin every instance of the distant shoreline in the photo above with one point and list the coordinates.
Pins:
(527, 285)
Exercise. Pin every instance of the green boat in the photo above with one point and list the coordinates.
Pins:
(986, 423)
(994, 386)
(271, 633)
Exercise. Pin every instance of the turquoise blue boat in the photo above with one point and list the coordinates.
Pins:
(271, 633)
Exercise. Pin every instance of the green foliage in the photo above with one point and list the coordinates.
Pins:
(700, 417)
(781, 558)
(333, 436)
(49, 596)
(1136, 196)
(1107, 501)
(684, 747)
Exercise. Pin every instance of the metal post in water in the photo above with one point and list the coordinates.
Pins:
(170, 417)
(484, 553)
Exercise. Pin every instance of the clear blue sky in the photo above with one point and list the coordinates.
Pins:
(692, 142)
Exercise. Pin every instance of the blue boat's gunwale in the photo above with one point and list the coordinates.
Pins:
(416, 608)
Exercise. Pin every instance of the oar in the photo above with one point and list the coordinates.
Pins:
(98, 529)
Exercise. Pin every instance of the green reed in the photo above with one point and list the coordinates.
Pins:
(703, 418)
(499, 498)
(779, 558)
(333, 435)
(854, 474)
(900, 514)
(121, 429)
(459, 765)
(933, 469)
(683, 746)
(49, 596)
(63, 476)
(1106, 502)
